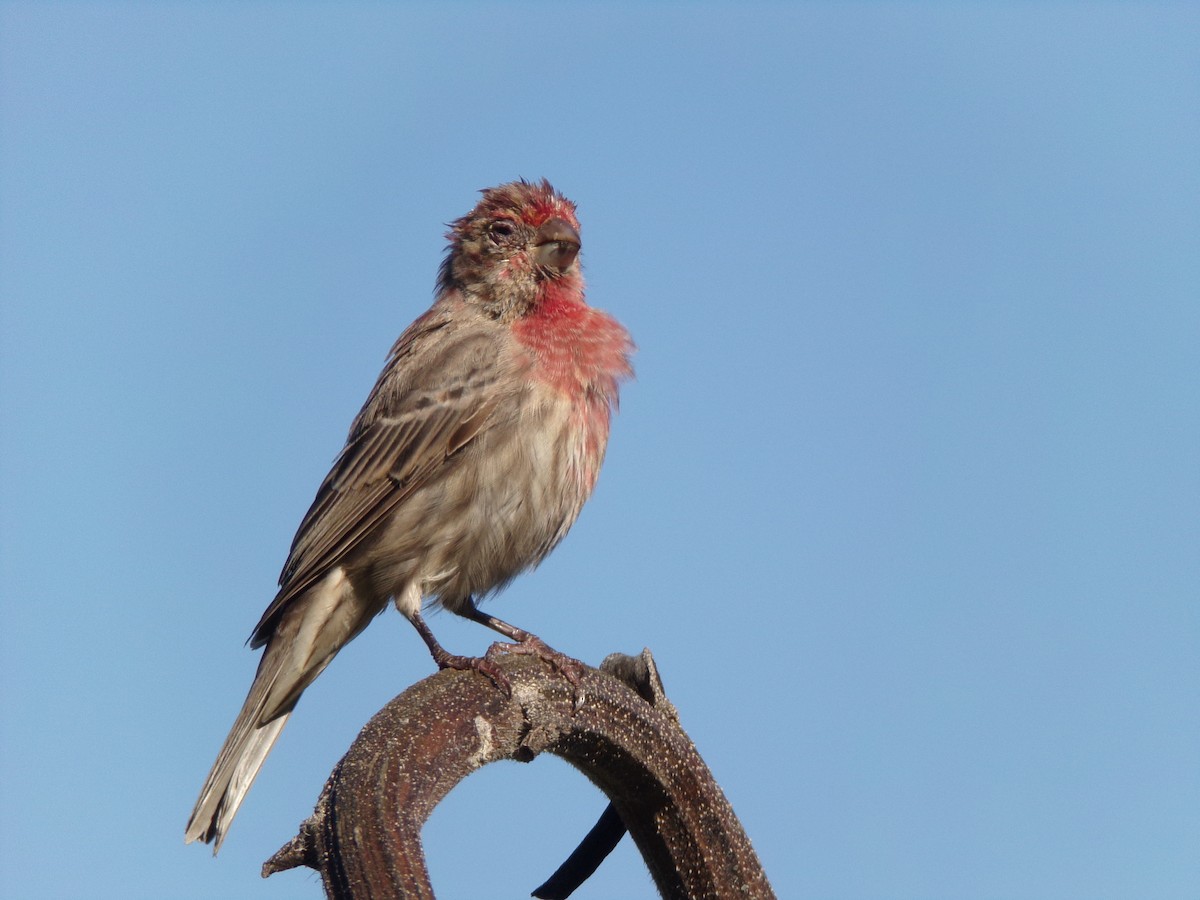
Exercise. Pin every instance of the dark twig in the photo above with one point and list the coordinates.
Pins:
(579, 866)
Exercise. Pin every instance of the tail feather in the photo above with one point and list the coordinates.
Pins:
(315, 626)
(244, 752)
(246, 748)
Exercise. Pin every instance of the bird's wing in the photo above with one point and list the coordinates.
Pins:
(438, 391)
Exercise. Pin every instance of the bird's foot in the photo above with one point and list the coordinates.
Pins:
(480, 664)
(532, 645)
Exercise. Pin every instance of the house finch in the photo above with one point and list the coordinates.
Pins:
(470, 460)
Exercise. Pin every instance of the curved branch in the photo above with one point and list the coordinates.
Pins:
(364, 836)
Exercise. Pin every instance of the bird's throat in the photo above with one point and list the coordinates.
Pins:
(574, 347)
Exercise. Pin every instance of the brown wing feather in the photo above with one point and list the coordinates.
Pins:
(432, 399)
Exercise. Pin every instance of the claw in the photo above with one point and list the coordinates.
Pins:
(480, 664)
(532, 645)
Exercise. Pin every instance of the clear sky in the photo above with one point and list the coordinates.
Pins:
(905, 499)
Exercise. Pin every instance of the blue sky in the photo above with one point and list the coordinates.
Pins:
(905, 499)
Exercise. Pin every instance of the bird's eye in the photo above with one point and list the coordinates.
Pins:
(500, 231)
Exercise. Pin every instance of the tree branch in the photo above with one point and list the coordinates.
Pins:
(364, 836)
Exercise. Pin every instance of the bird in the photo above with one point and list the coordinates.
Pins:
(468, 463)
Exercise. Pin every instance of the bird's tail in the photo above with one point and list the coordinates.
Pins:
(315, 626)
(237, 764)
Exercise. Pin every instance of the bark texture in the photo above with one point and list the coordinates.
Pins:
(618, 728)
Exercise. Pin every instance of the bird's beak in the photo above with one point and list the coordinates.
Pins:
(556, 244)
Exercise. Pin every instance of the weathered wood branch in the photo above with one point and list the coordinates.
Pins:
(364, 836)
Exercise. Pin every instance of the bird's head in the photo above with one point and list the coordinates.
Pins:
(520, 238)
